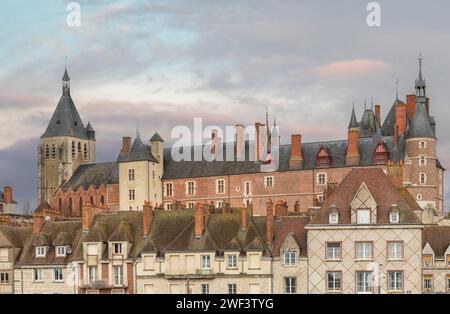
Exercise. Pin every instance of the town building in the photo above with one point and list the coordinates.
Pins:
(7, 203)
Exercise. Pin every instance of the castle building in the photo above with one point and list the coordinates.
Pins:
(147, 171)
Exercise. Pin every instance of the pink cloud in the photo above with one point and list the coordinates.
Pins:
(351, 69)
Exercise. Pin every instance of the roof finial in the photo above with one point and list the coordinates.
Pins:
(396, 89)
(267, 116)
(420, 61)
(371, 102)
(365, 103)
(138, 131)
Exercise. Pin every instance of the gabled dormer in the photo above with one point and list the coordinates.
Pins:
(363, 207)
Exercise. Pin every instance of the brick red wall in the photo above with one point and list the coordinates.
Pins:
(105, 272)
(130, 279)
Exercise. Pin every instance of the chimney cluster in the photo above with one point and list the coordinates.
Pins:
(147, 218)
(126, 145)
(281, 209)
(88, 213)
(7, 194)
(296, 158)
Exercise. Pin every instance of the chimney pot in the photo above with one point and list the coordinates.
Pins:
(126, 145)
(38, 223)
(7, 194)
(147, 218)
(296, 158)
(410, 106)
(269, 222)
(244, 213)
(198, 220)
(400, 118)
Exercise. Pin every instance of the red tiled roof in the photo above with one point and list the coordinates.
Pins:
(294, 225)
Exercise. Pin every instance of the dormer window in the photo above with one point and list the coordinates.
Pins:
(394, 217)
(381, 155)
(363, 216)
(333, 218)
(323, 158)
(290, 258)
(118, 248)
(60, 251)
(40, 251)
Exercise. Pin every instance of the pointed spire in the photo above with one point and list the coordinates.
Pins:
(365, 103)
(371, 102)
(138, 131)
(396, 89)
(66, 80)
(420, 82)
(353, 123)
(274, 121)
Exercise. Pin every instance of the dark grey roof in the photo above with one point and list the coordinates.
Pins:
(353, 122)
(89, 128)
(66, 76)
(337, 149)
(139, 152)
(65, 120)
(93, 174)
(421, 126)
(387, 128)
(156, 138)
(367, 126)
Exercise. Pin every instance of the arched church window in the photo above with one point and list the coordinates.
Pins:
(79, 147)
(80, 205)
(73, 149)
(53, 151)
(381, 155)
(102, 200)
(70, 205)
(85, 153)
(92, 200)
(47, 151)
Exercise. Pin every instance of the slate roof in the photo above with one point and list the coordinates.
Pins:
(367, 126)
(438, 237)
(173, 231)
(381, 188)
(53, 233)
(421, 126)
(156, 138)
(139, 152)
(294, 225)
(387, 129)
(353, 123)
(16, 236)
(93, 174)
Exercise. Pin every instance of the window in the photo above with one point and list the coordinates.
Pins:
(102, 200)
(130, 174)
(320, 199)
(423, 178)
(169, 189)
(364, 251)
(40, 251)
(364, 282)
(131, 195)
(290, 285)
(247, 188)
(118, 248)
(118, 275)
(91, 200)
(268, 182)
(73, 149)
(219, 204)
(321, 178)
(448, 260)
(381, 155)
(333, 218)
(58, 274)
(220, 186)
(333, 251)
(79, 147)
(323, 158)
(205, 288)
(363, 216)
(232, 261)
(395, 281)
(92, 274)
(37, 274)
(423, 144)
(395, 250)
(206, 261)
(427, 260)
(427, 283)
(53, 151)
(60, 251)
(232, 288)
(334, 281)
(394, 217)
(4, 278)
(190, 188)
(290, 258)
(92, 249)
(419, 197)
(149, 262)
(85, 152)
(191, 205)
(169, 206)
(47, 152)
(423, 161)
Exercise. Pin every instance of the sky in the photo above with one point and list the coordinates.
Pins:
(158, 64)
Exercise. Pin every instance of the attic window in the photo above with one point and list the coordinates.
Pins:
(60, 251)
(333, 218)
(58, 122)
(394, 217)
(323, 158)
(75, 123)
(381, 155)
(40, 251)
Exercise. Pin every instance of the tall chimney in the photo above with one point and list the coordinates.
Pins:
(378, 115)
(427, 104)
(353, 157)
(269, 222)
(240, 142)
(7, 194)
(126, 145)
(395, 173)
(198, 220)
(410, 106)
(38, 223)
(88, 215)
(296, 158)
(244, 218)
(400, 118)
(147, 218)
(395, 139)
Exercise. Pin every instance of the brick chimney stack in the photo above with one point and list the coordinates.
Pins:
(378, 115)
(395, 173)
(410, 106)
(126, 145)
(240, 142)
(7, 194)
(244, 214)
(147, 218)
(198, 220)
(38, 223)
(87, 214)
(353, 156)
(269, 222)
(400, 118)
(296, 158)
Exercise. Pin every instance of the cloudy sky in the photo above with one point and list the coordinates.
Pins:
(161, 63)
